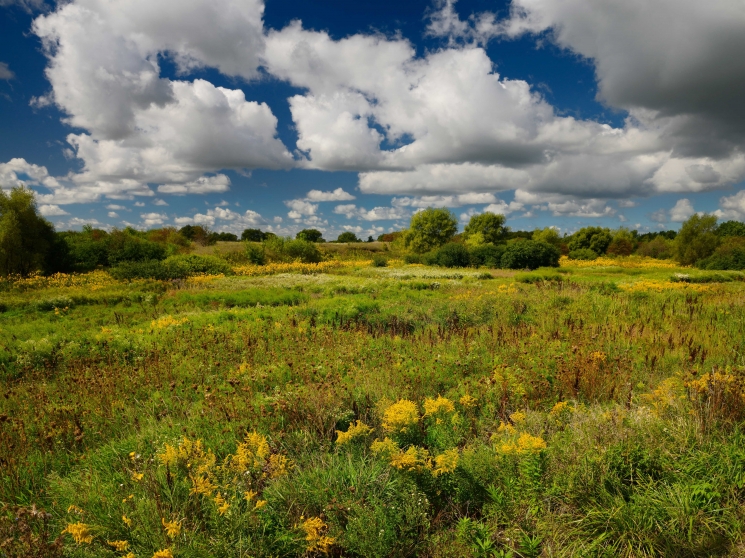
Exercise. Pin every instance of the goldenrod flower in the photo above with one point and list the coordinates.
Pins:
(517, 417)
(166, 553)
(222, 504)
(278, 466)
(437, 406)
(413, 459)
(260, 504)
(121, 546)
(74, 508)
(173, 528)
(355, 431)
(385, 449)
(249, 495)
(137, 477)
(127, 521)
(80, 533)
(315, 537)
(467, 401)
(400, 417)
(560, 407)
(446, 462)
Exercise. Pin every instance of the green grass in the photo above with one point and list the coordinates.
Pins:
(643, 457)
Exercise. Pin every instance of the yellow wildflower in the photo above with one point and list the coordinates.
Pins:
(249, 495)
(446, 462)
(251, 453)
(166, 553)
(437, 406)
(530, 444)
(74, 508)
(413, 459)
(315, 537)
(173, 528)
(517, 417)
(202, 485)
(358, 430)
(222, 504)
(121, 546)
(127, 521)
(467, 401)
(130, 555)
(385, 449)
(560, 407)
(278, 466)
(137, 477)
(80, 532)
(503, 427)
(400, 417)
(260, 504)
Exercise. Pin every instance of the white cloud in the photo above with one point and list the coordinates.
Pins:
(159, 202)
(335, 195)
(681, 211)
(351, 211)
(51, 210)
(153, 219)
(300, 209)
(5, 72)
(444, 201)
(139, 204)
(113, 215)
(732, 207)
(225, 219)
(19, 172)
(115, 207)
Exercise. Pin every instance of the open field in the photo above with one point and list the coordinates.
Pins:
(375, 411)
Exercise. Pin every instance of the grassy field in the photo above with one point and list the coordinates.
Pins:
(375, 411)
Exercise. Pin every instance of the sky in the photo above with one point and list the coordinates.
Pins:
(350, 116)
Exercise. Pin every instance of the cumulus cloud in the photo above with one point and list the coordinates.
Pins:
(681, 211)
(732, 207)
(335, 195)
(202, 185)
(300, 209)
(5, 72)
(375, 214)
(51, 210)
(113, 214)
(225, 219)
(444, 201)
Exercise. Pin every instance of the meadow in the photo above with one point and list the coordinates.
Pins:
(347, 409)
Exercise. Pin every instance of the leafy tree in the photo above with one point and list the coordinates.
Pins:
(452, 255)
(310, 235)
(596, 239)
(348, 237)
(697, 239)
(529, 254)
(622, 243)
(549, 235)
(729, 255)
(370, 239)
(223, 237)
(430, 229)
(198, 234)
(253, 235)
(26, 238)
(731, 228)
(489, 225)
(488, 255)
(659, 247)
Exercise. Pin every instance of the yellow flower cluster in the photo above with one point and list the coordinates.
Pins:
(94, 280)
(251, 453)
(354, 432)
(167, 553)
(173, 528)
(80, 532)
(413, 459)
(167, 321)
(446, 462)
(468, 402)
(121, 546)
(630, 262)
(714, 381)
(196, 280)
(560, 408)
(660, 286)
(400, 417)
(315, 535)
(296, 267)
(525, 444)
(441, 405)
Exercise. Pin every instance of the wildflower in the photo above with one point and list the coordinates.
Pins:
(315, 538)
(260, 504)
(446, 462)
(130, 555)
(251, 453)
(505, 428)
(437, 406)
(467, 401)
(202, 485)
(173, 528)
(517, 417)
(530, 444)
(250, 495)
(127, 521)
(74, 508)
(355, 431)
(222, 504)
(166, 553)
(598, 356)
(385, 449)
(80, 532)
(278, 466)
(137, 477)
(121, 546)
(400, 417)
(559, 408)
(413, 459)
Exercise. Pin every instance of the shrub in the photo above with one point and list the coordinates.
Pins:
(255, 254)
(175, 267)
(347, 237)
(487, 255)
(310, 235)
(583, 254)
(697, 239)
(596, 239)
(659, 247)
(379, 261)
(430, 229)
(528, 254)
(452, 255)
(286, 250)
(413, 258)
(730, 255)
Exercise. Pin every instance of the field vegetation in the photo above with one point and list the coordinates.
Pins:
(261, 404)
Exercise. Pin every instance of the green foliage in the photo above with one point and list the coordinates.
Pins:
(348, 237)
(379, 261)
(287, 250)
(528, 254)
(486, 255)
(430, 229)
(255, 254)
(198, 234)
(452, 255)
(730, 254)
(310, 235)
(659, 247)
(583, 254)
(253, 235)
(697, 239)
(26, 238)
(548, 235)
(596, 239)
(731, 228)
(174, 267)
(489, 225)
(622, 243)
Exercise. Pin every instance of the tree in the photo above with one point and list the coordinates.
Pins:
(529, 254)
(26, 238)
(489, 225)
(596, 239)
(370, 239)
(430, 229)
(731, 228)
(347, 237)
(253, 235)
(310, 235)
(198, 234)
(549, 235)
(697, 239)
(622, 243)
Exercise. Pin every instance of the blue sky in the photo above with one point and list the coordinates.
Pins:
(351, 116)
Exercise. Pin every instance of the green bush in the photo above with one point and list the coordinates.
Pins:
(193, 264)
(528, 254)
(596, 239)
(729, 255)
(379, 261)
(287, 250)
(255, 254)
(452, 255)
(175, 267)
(487, 255)
(413, 258)
(583, 254)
